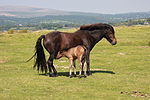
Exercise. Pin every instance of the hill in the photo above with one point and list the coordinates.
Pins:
(25, 12)
(39, 18)
(28, 12)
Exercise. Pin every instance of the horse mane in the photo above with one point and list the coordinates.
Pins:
(97, 26)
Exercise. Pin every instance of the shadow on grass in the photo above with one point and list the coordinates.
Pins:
(101, 71)
(93, 71)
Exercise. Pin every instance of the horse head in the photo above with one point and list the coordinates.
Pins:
(102, 29)
(109, 34)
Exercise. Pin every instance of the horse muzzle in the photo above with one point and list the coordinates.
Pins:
(114, 42)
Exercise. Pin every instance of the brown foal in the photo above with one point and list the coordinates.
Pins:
(72, 54)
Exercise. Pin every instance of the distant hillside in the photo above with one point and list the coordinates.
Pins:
(22, 16)
(24, 11)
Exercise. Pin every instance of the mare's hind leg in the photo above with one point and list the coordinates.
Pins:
(50, 65)
(50, 70)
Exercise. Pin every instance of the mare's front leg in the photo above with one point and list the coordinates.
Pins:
(50, 65)
(88, 62)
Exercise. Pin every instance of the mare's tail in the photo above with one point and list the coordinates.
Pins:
(40, 61)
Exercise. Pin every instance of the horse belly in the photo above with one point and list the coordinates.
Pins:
(67, 44)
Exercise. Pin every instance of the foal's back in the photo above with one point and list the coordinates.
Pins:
(73, 53)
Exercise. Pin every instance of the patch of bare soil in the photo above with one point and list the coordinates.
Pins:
(136, 94)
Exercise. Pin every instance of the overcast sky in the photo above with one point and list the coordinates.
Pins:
(98, 6)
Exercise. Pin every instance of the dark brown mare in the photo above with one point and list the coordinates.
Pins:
(54, 42)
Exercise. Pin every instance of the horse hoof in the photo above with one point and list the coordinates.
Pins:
(89, 73)
(55, 75)
(70, 76)
(82, 72)
(51, 75)
(74, 75)
(85, 76)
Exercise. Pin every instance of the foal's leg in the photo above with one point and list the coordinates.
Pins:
(70, 68)
(83, 67)
(80, 66)
(80, 72)
(74, 64)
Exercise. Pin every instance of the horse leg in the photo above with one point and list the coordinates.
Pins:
(54, 70)
(85, 75)
(80, 72)
(50, 65)
(83, 61)
(70, 68)
(81, 64)
(74, 64)
(83, 68)
(88, 62)
(50, 70)
(45, 69)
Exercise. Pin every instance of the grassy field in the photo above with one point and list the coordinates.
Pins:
(120, 72)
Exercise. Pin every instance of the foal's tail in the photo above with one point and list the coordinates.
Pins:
(40, 61)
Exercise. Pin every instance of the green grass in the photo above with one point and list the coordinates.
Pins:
(129, 60)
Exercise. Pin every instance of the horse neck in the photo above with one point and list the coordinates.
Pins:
(97, 35)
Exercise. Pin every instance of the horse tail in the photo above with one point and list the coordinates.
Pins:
(40, 60)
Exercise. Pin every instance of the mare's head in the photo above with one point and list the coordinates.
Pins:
(107, 30)
(110, 35)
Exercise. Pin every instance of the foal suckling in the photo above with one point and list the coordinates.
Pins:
(72, 54)
(56, 41)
